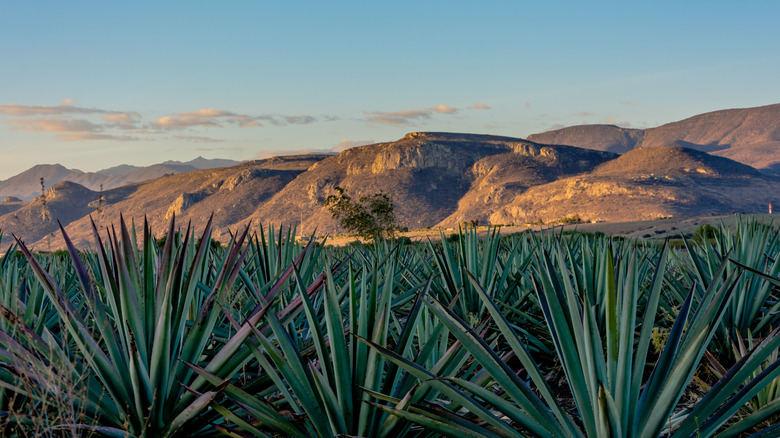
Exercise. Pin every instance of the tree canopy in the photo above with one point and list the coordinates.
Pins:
(370, 217)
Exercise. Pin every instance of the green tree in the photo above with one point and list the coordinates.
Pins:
(370, 217)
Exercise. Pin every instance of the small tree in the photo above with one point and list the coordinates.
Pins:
(370, 217)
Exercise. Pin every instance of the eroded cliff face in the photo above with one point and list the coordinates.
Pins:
(419, 155)
(534, 150)
(182, 203)
(426, 155)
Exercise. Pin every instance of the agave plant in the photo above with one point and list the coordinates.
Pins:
(481, 256)
(756, 305)
(321, 382)
(764, 407)
(604, 362)
(124, 348)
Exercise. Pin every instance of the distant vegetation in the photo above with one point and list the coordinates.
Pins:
(554, 334)
(370, 217)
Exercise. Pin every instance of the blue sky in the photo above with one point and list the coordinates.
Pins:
(93, 84)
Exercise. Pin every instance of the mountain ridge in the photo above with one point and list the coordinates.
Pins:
(435, 178)
(748, 135)
(27, 185)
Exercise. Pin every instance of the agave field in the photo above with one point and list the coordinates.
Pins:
(526, 335)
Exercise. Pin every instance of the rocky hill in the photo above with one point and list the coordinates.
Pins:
(750, 136)
(435, 179)
(647, 183)
(231, 194)
(37, 220)
(27, 184)
(431, 176)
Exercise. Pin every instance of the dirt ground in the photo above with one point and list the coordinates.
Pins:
(674, 227)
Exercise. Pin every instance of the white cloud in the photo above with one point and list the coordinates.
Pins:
(405, 117)
(59, 118)
(214, 118)
(123, 120)
(202, 117)
(52, 124)
(443, 109)
(65, 108)
(479, 106)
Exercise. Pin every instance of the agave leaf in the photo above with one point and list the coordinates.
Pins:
(102, 365)
(749, 422)
(519, 350)
(192, 410)
(266, 413)
(443, 426)
(452, 392)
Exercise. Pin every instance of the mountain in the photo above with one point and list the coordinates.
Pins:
(435, 179)
(27, 184)
(231, 194)
(10, 204)
(431, 176)
(37, 221)
(750, 136)
(119, 170)
(205, 163)
(647, 183)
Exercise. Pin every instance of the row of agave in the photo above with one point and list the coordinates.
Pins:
(523, 335)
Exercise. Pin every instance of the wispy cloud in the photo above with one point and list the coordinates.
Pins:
(52, 124)
(197, 138)
(214, 118)
(60, 119)
(205, 117)
(123, 120)
(405, 117)
(64, 108)
(84, 136)
(584, 114)
(299, 120)
(479, 106)
(443, 109)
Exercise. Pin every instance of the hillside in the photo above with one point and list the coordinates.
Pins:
(647, 183)
(27, 184)
(430, 176)
(231, 194)
(750, 136)
(435, 179)
(35, 221)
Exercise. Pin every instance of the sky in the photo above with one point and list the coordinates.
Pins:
(95, 84)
